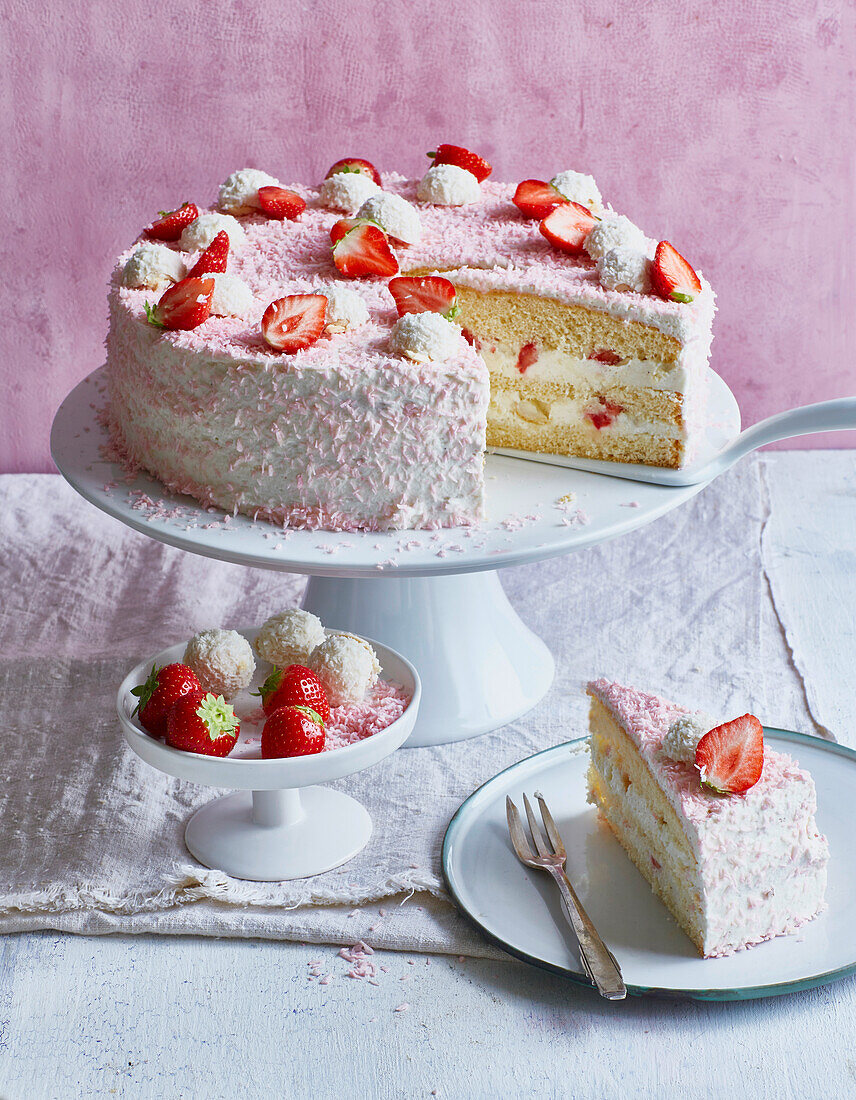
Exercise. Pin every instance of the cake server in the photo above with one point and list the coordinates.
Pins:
(598, 961)
(826, 416)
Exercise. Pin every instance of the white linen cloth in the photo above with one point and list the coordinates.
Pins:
(93, 837)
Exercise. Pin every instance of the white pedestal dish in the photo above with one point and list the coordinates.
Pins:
(278, 824)
(434, 596)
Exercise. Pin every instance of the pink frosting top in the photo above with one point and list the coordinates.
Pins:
(646, 720)
(489, 245)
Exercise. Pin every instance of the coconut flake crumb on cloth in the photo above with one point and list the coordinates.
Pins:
(93, 837)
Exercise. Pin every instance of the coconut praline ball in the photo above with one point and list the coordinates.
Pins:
(289, 637)
(347, 666)
(222, 660)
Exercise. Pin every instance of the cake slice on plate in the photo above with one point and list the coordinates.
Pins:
(722, 827)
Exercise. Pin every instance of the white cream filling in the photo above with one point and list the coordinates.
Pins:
(553, 365)
(506, 405)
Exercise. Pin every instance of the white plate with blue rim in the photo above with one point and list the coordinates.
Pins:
(518, 909)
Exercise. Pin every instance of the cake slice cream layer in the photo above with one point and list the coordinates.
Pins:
(733, 869)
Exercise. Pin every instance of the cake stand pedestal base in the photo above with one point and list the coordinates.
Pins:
(480, 666)
(269, 836)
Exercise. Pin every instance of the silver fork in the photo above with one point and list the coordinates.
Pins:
(597, 960)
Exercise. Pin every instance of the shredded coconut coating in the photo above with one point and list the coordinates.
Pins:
(346, 308)
(239, 193)
(425, 336)
(578, 187)
(625, 269)
(222, 660)
(199, 234)
(347, 666)
(449, 185)
(684, 734)
(232, 297)
(153, 266)
(289, 637)
(347, 191)
(615, 231)
(395, 215)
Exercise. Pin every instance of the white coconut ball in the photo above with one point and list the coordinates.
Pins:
(289, 637)
(625, 269)
(578, 187)
(347, 191)
(200, 233)
(222, 660)
(232, 297)
(395, 215)
(239, 193)
(346, 308)
(614, 231)
(347, 666)
(153, 266)
(448, 185)
(425, 336)
(684, 734)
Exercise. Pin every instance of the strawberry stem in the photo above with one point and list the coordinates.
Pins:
(151, 315)
(217, 715)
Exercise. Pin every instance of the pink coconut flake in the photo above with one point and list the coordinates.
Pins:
(384, 704)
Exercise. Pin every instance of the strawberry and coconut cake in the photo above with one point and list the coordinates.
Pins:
(721, 826)
(339, 356)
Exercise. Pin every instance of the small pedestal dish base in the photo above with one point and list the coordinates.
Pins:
(481, 666)
(269, 836)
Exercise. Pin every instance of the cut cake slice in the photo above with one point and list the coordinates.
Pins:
(734, 869)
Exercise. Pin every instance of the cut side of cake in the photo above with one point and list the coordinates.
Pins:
(735, 869)
(343, 412)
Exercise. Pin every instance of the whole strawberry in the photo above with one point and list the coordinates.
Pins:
(292, 731)
(163, 688)
(295, 686)
(204, 724)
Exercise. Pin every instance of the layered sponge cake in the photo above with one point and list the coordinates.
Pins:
(721, 826)
(258, 360)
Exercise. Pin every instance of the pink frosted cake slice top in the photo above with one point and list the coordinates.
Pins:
(646, 719)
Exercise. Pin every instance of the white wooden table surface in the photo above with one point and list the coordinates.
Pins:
(188, 1017)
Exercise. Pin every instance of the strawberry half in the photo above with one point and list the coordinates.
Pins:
(294, 686)
(185, 305)
(424, 294)
(292, 731)
(536, 199)
(364, 250)
(214, 258)
(672, 277)
(345, 225)
(355, 164)
(172, 223)
(162, 689)
(280, 204)
(294, 322)
(730, 757)
(567, 227)
(462, 158)
(205, 724)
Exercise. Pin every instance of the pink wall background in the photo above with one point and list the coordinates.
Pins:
(727, 127)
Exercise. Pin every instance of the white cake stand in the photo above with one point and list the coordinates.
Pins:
(433, 596)
(277, 824)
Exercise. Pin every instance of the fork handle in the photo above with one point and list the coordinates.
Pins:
(598, 960)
